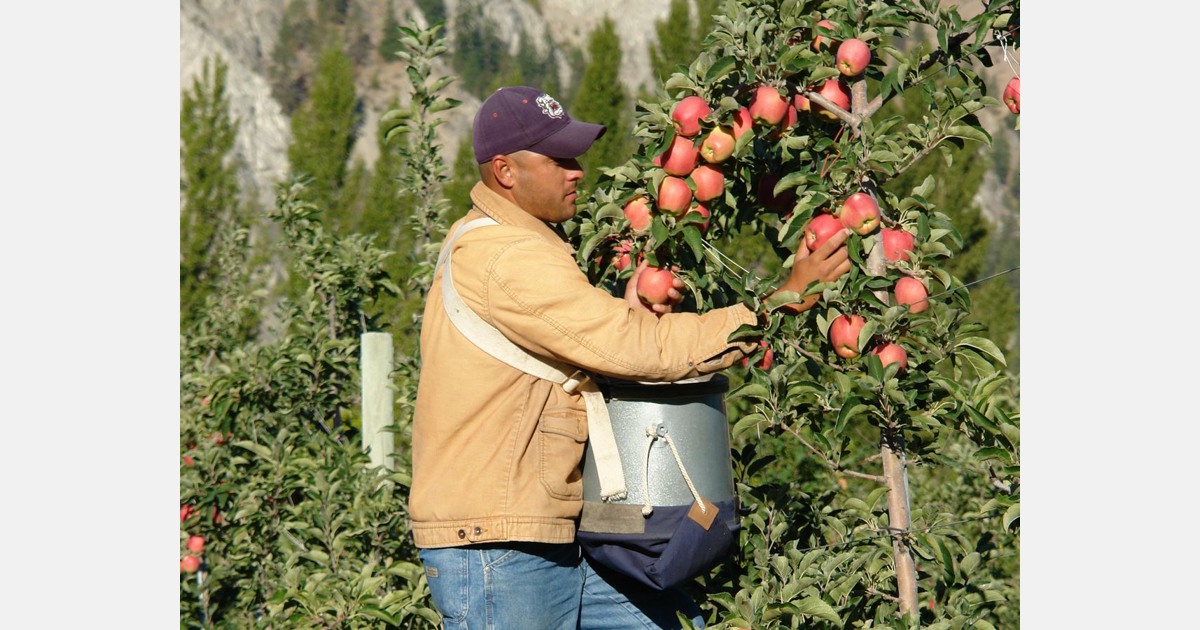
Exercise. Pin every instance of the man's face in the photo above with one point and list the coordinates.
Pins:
(546, 187)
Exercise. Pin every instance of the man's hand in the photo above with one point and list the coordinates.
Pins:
(673, 294)
(828, 263)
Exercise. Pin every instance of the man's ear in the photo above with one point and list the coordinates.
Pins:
(503, 169)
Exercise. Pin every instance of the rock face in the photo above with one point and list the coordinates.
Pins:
(243, 33)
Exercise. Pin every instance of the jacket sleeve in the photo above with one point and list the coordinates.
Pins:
(536, 296)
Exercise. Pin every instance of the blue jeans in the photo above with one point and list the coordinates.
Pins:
(534, 586)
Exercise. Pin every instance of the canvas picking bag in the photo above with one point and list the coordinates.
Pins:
(659, 503)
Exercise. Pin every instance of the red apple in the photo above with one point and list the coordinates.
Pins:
(890, 353)
(703, 212)
(801, 103)
(674, 195)
(687, 114)
(768, 357)
(853, 55)
(819, 229)
(835, 92)
(742, 122)
(912, 292)
(654, 285)
(195, 544)
(768, 106)
(637, 211)
(188, 461)
(819, 41)
(620, 259)
(189, 564)
(896, 244)
(843, 334)
(718, 145)
(789, 120)
(681, 157)
(184, 512)
(710, 182)
(860, 213)
(1012, 95)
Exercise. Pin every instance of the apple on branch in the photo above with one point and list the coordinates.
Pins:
(637, 211)
(853, 56)
(835, 92)
(897, 244)
(860, 213)
(843, 334)
(681, 157)
(890, 353)
(912, 292)
(718, 145)
(674, 195)
(687, 115)
(710, 182)
(768, 107)
(1012, 95)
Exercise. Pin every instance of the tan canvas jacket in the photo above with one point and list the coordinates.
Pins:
(497, 452)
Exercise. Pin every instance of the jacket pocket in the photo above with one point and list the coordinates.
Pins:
(562, 434)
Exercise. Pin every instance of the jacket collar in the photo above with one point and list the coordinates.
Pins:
(505, 212)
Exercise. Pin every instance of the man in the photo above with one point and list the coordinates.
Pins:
(497, 490)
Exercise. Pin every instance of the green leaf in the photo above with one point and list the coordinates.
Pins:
(720, 69)
(968, 132)
(753, 391)
(816, 607)
(985, 345)
(1011, 515)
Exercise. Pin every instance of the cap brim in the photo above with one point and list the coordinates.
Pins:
(571, 141)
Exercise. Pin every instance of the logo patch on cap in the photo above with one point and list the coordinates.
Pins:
(550, 107)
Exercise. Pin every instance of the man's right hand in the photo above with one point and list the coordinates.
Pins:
(829, 262)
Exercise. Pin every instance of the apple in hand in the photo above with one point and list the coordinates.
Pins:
(674, 195)
(843, 334)
(654, 285)
(819, 229)
(853, 55)
(860, 213)
(890, 353)
(1012, 95)
(681, 157)
(637, 211)
(912, 292)
(835, 92)
(687, 114)
(710, 182)
(768, 106)
(718, 145)
(896, 244)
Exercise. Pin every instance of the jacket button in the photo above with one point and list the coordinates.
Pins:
(478, 531)
(462, 533)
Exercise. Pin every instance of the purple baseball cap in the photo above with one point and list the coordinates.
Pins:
(523, 118)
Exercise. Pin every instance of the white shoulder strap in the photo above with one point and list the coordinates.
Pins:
(492, 341)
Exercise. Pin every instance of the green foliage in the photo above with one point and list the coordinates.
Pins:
(324, 130)
(208, 184)
(679, 36)
(464, 176)
(601, 99)
(297, 33)
(816, 420)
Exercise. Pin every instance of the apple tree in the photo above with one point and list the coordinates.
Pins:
(877, 453)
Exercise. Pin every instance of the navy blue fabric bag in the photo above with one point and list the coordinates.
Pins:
(673, 441)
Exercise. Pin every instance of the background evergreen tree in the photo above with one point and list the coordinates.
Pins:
(324, 131)
(464, 175)
(208, 184)
(601, 99)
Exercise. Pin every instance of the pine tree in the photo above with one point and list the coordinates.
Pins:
(323, 133)
(208, 184)
(601, 99)
(675, 44)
